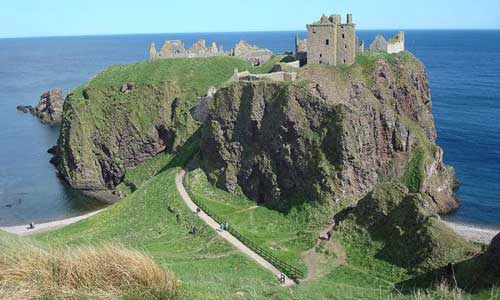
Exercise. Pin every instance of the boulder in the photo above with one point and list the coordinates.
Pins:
(50, 107)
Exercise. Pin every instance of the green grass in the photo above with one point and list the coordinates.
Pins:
(284, 236)
(153, 217)
(207, 266)
(414, 174)
(195, 74)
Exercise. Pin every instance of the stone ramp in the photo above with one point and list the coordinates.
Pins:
(224, 234)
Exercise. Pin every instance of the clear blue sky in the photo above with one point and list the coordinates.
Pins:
(20, 18)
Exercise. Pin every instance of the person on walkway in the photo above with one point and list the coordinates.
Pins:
(31, 226)
(198, 210)
(282, 278)
(329, 235)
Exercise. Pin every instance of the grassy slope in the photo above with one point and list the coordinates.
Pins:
(208, 266)
(90, 123)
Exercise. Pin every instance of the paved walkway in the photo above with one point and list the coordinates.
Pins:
(43, 227)
(224, 234)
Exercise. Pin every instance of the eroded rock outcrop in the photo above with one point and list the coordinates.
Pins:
(333, 135)
(105, 131)
(412, 236)
(49, 109)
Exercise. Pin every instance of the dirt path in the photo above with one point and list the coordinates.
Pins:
(319, 260)
(44, 227)
(224, 234)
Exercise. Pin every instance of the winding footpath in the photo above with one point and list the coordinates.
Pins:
(224, 234)
(44, 227)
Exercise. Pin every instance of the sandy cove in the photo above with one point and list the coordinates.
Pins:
(48, 226)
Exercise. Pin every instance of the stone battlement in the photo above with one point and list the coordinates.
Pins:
(175, 49)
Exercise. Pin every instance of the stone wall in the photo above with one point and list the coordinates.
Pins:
(346, 44)
(360, 45)
(175, 49)
(395, 45)
(379, 44)
(300, 50)
(279, 76)
(322, 42)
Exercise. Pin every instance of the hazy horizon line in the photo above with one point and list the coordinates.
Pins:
(247, 31)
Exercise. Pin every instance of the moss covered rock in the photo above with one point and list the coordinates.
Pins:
(411, 235)
(128, 114)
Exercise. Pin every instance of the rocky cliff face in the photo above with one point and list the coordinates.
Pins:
(129, 113)
(49, 109)
(333, 135)
(106, 131)
(411, 235)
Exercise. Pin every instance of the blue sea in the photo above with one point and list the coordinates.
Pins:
(463, 67)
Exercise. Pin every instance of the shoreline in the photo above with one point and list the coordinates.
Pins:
(22, 230)
(473, 233)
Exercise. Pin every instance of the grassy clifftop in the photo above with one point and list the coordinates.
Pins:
(357, 126)
(129, 113)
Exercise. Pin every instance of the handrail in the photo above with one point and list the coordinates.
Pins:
(289, 270)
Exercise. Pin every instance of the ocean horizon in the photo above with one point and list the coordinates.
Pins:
(463, 68)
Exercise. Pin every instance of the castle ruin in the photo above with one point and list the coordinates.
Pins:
(331, 42)
(175, 49)
(395, 44)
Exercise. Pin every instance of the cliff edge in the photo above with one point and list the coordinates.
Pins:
(333, 134)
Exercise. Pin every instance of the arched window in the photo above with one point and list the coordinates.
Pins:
(327, 42)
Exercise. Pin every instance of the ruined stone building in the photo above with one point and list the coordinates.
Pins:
(300, 50)
(175, 49)
(331, 42)
(395, 44)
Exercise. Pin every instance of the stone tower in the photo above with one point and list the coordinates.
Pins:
(330, 42)
(152, 51)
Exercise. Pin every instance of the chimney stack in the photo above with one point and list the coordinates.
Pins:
(349, 18)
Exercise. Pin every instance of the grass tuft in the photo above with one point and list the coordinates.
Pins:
(106, 272)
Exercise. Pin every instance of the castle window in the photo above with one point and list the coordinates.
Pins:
(344, 61)
(321, 55)
(343, 35)
(346, 46)
(327, 42)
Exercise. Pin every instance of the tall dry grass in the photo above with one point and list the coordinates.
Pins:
(107, 272)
